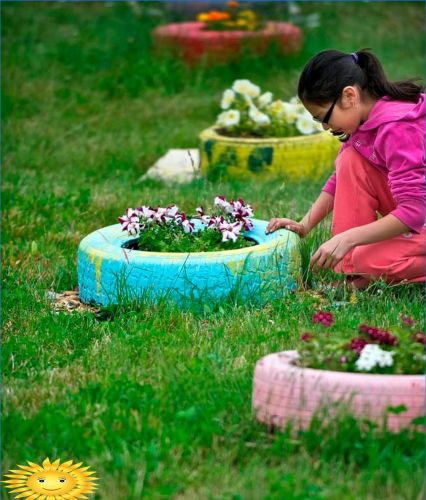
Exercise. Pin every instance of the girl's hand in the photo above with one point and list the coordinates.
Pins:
(291, 225)
(330, 253)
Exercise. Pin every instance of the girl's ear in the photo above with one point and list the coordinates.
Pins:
(350, 97)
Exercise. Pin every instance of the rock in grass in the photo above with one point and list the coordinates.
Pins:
(177, 166)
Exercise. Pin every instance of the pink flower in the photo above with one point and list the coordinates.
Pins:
(343, 359)
(306, 336)
(200, 211)
(130, 217)
(323, 317)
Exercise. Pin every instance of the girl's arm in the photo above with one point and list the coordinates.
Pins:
(321, 207)
(379, 230)
(330, 253)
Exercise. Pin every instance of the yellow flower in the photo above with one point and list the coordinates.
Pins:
(353, 298)
(248, 15)
(203, 17)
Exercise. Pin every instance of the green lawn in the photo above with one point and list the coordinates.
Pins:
(157, 400)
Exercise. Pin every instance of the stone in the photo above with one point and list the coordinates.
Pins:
(175, 166)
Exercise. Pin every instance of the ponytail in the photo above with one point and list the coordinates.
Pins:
(330, 71)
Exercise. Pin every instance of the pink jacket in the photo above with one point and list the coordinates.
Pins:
(392, 139)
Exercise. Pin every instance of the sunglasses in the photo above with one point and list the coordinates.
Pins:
(327, 116)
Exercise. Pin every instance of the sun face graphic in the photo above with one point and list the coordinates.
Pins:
(52, 481)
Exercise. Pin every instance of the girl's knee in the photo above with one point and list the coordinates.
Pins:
(376, 262)
(350, 160)
(366, 261)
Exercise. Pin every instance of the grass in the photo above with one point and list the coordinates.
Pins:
(155, 399)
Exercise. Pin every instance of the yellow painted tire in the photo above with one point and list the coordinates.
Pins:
(291, 158)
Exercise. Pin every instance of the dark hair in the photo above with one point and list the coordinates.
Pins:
(330, 71)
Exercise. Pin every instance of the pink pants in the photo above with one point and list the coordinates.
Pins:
(362, 191)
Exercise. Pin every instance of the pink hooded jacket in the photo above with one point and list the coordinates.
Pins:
(393, 140)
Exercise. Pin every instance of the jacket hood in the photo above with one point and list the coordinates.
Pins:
(386, 110)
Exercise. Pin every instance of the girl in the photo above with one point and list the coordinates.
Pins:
(379, 169)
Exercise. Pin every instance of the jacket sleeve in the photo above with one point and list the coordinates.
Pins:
(330, 186)
(401, 145)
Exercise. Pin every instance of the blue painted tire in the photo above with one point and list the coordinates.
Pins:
(109, 273)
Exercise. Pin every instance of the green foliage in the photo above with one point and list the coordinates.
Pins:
(169, 237)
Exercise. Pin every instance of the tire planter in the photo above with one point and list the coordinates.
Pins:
(284, 392)
(292, 158)
(193, 43)
(109, 273)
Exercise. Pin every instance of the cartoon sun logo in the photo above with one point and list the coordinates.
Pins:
(53, 481)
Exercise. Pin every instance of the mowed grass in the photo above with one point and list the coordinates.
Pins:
(156, 399)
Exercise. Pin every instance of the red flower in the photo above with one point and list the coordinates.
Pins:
(357, 344)
(306, 336)
(377, 335)
(323, 317)
(420, 338)
(407, 320)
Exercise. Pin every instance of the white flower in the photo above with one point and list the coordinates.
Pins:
(229, 118)
(215, 222)
(230, 231)
(245, 87)
(292, 111)
(277, 108)
(371, 356)
(293, 8)
(285, 110)
(133, 229)
(172, 211)
(265, 99)
(130, 218)
(146, 212)
(318, 126)
(258, 117)
(305, 125)
(227, 98)
(221, 202)
(188, 226)
(249, 100)
(160, 215)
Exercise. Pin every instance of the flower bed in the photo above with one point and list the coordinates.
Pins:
(256, 136)
(375, 373)
(193, 42)
(167, 229)
(111, 272)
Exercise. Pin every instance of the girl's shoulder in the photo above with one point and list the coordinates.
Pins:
(386, 111)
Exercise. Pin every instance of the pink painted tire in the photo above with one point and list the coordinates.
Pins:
(284, 392)
(193, 43)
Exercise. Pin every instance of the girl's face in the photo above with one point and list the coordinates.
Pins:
(346, 113)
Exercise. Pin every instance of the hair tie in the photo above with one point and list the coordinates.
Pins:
(355, 56)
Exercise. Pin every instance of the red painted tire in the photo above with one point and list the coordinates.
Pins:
(193, 42)
(284, 392)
